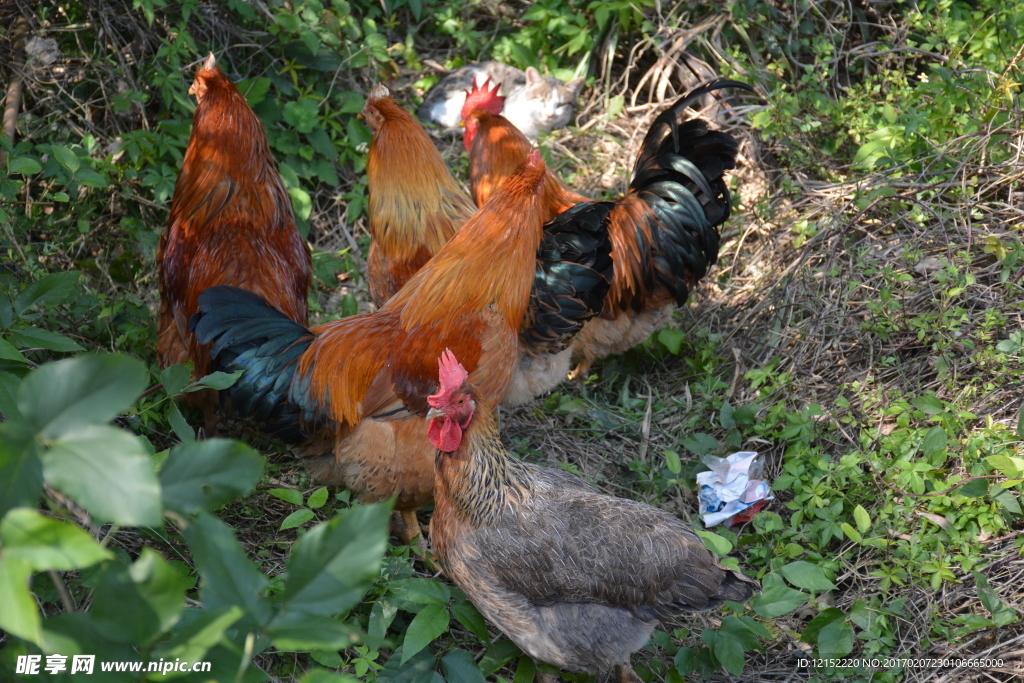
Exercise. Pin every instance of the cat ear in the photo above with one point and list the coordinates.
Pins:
(533, 76)
(574, 87)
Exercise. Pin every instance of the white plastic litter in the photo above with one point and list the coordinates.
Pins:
(732, 486)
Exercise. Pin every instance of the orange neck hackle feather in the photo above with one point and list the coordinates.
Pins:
(491, 260)
(414, 200)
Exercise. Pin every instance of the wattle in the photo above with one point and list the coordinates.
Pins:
(445, 436)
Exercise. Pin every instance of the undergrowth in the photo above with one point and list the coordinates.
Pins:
(862, 329)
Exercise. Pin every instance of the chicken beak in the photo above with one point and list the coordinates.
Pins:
(360, 116)
(462, 124)
(434, 412)
(192, 89)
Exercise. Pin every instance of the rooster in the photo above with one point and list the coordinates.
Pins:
(416, 205)
(230, 223)
(664, 232)
(574, 577)
(352, 392)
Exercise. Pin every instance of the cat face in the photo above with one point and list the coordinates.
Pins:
(542, 104)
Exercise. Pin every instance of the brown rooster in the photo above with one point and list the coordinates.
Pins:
(352, 393)
(415, 204)
(574, 577)
(664, 232)
(230, 223)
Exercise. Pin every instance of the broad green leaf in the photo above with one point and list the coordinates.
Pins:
(672, 462)
(864, 616)
(776, 601)
(835, 640)
(8, 352)
(19, 615)
(108, 472)
(973, 489)
(207, 474)
(717, 544)
(191, 642)
(299, 631)
(421, 591)
(25, 165)
(826, 617)
(292, 496)
(179, 424)
(38, 338)
(807, 576)
(934, 441)
(929, 405)
(321, 676)
(863, 519)
(672, 339)
(381, 616)
(67, 395)
(175, 378)
(297, 518)
(47, 543)
(851, 533)
(498, 655)
(419, 668)
(1008, 500)
(326, 658)
(700, 443)
(428, 625)
(729, 653)
(469, 616)
(229, 576)
(215, 380)
(1020, 423)
(335, 563)
(526, 670)
(317, 499)
(302, 114)
(321, 142)
(725, 416)
(740, 631)
(134, 604)
(460, 667)
(66, 158)
(21, 472)
(1007, 466)
(254, 89)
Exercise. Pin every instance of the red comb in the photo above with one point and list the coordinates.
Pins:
(451, 375)
(380, 91)
(535, 158)
(483, 97)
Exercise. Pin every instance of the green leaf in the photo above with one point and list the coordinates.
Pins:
(321, 142)
(254, 89)
(302, 114)
(499, 654)
(1007, 466)
(9, 352)
(851, 533)
(175, 378)
(929, 405)
(317, 499)
(215, 380)
(934, 441)
(729, 653)
(1008, 500)
(824, 618)
(381, 616)
(65, 157)
(205, 475)
(460, 667)
(191, 642)
(863, 519)
(428, 625)
(1020, 423)
(776, 601)
(54, 288)
(715, 543)
(526, 671)
(47, 543)
(21, 472)
(20, 616)
(229, 577)
(335, 563)
(415, 669)
(700, 443)
(725, 416)
(835, 640)
(132, 605)
(65, 396)
(292, 496)
(108, 472)
(672, 339)
(421, 591)
(25, 165)
(863, 616)
(325, 658)
(297, 518)
(672, 462)
(179, 424)
(469, 616)
(807, 576)
(37, 338)
(741, 632)
(973, 489)
(293, 630)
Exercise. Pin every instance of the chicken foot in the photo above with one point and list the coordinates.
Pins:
(624, 674)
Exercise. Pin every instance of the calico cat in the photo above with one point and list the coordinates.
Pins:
(533, 103)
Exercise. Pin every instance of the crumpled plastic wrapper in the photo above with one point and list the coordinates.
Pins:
(732, 490)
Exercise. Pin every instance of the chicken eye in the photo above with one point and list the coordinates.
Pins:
(462, 400)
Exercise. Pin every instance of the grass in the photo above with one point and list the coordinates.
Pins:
(862, 327)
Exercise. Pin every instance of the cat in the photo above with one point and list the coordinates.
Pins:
(533, 103)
